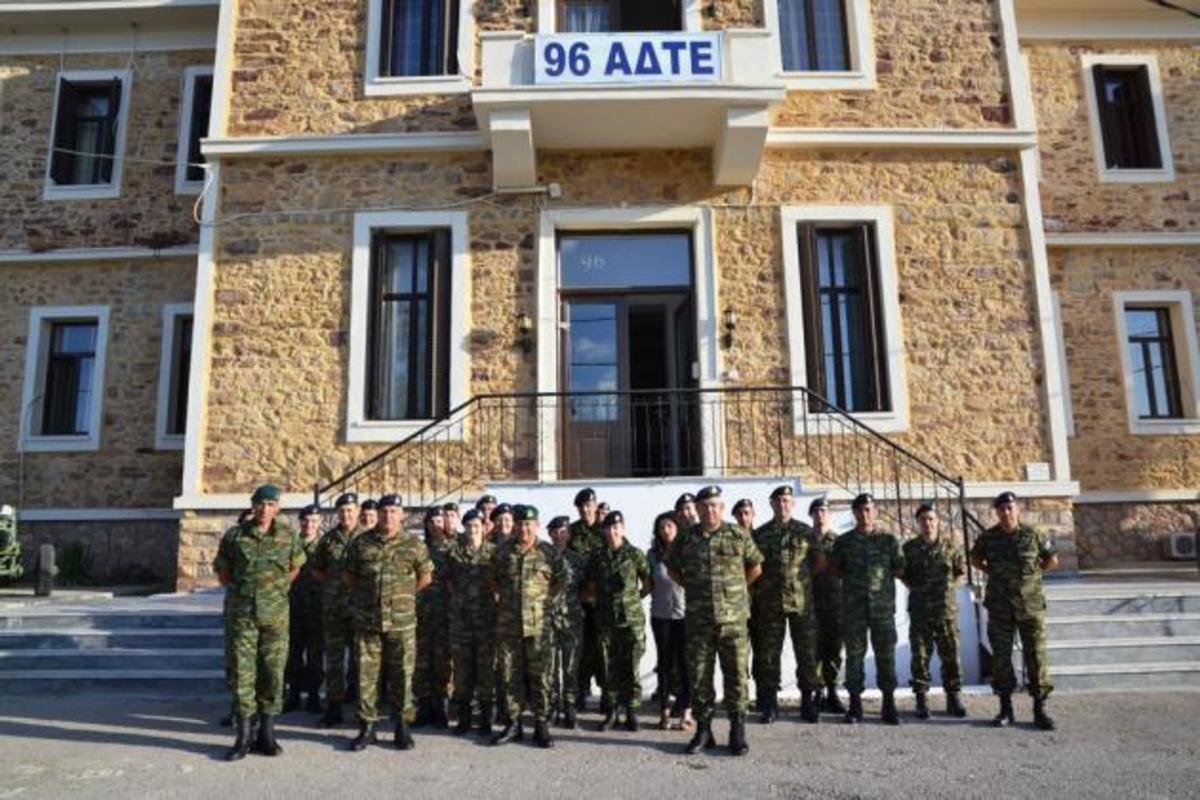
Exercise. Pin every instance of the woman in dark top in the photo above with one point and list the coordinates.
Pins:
(666, 622)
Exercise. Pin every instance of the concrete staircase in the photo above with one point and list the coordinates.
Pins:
(1125, 630)
(169, 645)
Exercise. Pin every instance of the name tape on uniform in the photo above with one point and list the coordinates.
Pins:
(627, 58)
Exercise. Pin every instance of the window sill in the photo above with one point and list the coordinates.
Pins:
(90, 191)
(835, 424)
(424, 84)
(1137, 175)
(60, 444)
(392, 432)
(1165, 427)
(168, 442)
(818, 81)
(189, 187)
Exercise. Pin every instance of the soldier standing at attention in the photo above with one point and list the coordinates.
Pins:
(869, 560)
(525, 573)
(256, 562)
(586, 536)
(385, 569)
(782, 598)
(827, 601)
(933, 567)
(472, 623)
(566, 621)
(1014, 556)
(338, 622)
(431, 676)
(743, 513)
(303, 671)
(716, 562)
(618, 576)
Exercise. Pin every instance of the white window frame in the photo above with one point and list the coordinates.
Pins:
(861, 41)
(37, 351)
(377, 85)
(1187, 354)
(90, 191)
(358, 427)
(896, 420)
(1166, 173)
(548, 16)
(182, 184)
(166, 368)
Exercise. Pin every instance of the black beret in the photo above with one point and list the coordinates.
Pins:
(310, 510)
(369, 505)
(558, 522)
(866, 498)
(781, 491)
(686, 497)
(472, 515)
(450, 507)
(391, 501)
(347, 499)
(613, 517)
(503, 508)
(744, 502)
(433, 511)
(584, 496)
(708, 493)
(525, 513)
(1004, 497)
(926, 506)
(487, 498)
(818, 502)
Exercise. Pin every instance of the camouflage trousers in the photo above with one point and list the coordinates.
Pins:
(523, 672)
(923, 635)
(882, 630)
(565, 651)
(474, 653)
(829, 644)
(391, 654)
(305, 669)
(339, 638)
(705, 644)
(767, 643)
(621, 650)
(257, 656)
(1001, 630)
(591, 665)
(431, 676)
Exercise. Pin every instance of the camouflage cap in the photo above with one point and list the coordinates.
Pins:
(782, 491)
(346, 499)
(745, 502)
(613, 517)
(558, 522)
(818, 502)
(864, 499)
(310, 510)
(1004, 497)
(267, 493)
(584, 496)
(525, 513)
(709, 493)
(391, 501)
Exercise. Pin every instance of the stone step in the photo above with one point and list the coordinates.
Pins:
(119, 658)
(176, 683)
(1131, 626)
(1118, 602)
(109, 620)
(1162, 649)
(96, 639)
(1166, 675)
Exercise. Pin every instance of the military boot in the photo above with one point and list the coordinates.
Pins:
(737, 736)
(266, 743)
(241, 745)
(770, 707)
(424, 713)
(833, 704)
(809, 707)
(922, 706)
(541, 735)
(291, 700)
(313, 704)
(332, 716)
(854, 713)
(464, 719)
(631, 720)
(703, 737)
(888, 714)
(954, 706)
(366, 736)
(485, 719)
(511, 732)
(404, 740)
(438, 707)
(569, 718)
(226, 721)
(1040, 718)
(1005, 717)
(610, 717)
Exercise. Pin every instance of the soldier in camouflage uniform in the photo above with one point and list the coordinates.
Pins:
(1014, 556)
(338, 622)
(303, 672)
(585, 536)
(782, 599)
(256, 562)
(385, 569)
(933, 567)
(503, 524)
(868, 559)
(368, 514)
(618, 577)
(485, 505)
(716, 562)
(431, 677)
(472, 623)
(525, 573)
(566, 625)
(685, 512)
(743, 514)
(827, 602)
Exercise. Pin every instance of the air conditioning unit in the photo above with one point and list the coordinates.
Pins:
(1181, 545)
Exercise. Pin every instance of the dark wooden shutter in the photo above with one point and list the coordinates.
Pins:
(450, 37)
(1109, 123)
(440, 288)
(198, 125)
(814, 340)
(62, 161)
(877, 349)
(1149, 156)
(387, 24)
(108, 139)
(376, 347)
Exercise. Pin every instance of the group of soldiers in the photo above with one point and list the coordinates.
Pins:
(482, 613)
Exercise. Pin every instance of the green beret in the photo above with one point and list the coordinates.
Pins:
(525, 513)
(265, 494)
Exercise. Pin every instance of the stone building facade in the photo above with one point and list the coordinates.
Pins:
(955, 134)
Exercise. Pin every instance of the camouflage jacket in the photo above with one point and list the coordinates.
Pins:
(566, 609)
(932, 572)
(469, 580)
(259, 565)
(306, 590)
(386, 571)
(789, 558)
(329, 558)
(1014, 569)
(712, 566)
(525, 579)
(618, 576)
(868, 563)
(433, 598)
(827, 585)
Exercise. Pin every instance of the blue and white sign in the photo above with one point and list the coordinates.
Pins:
(627, 58)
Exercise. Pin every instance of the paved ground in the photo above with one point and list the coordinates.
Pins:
(1116, 745)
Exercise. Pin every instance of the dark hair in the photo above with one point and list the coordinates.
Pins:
(657, 547)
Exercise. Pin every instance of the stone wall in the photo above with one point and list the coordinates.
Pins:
(148, 213)
(1104, 454)
(132, 552)
(1073, 197)
(126, 471)
(1118, 532)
